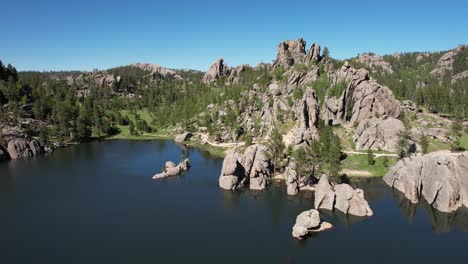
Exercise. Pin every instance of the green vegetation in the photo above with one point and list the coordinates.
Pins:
(276, 148)
(361, 163)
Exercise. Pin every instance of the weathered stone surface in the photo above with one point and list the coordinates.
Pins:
(217, 69)
(156, 70)
(171, 170)
(291, 177)
(308, 221)
(290, 52)
(253, 166)
(274, 89)
(377, 134)
(363, 99)
(445, 63)
(307, 112)
(324, 194)
(438, 133)
(228, 182)
(440, 178)
(459, 76)
(23, 148)
(235, 73)
(183, 137)
(375, 62)
(341, 197)
(313, 55)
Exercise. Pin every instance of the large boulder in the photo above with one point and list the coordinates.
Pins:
(378, 133)
(172, 170)
(254, 166)
(341, 197)
(216, 71)
(23, 148)
(324, 194)
(440, 178)
(291, 177)
(441, 134)
(183, 137)
(308, 221)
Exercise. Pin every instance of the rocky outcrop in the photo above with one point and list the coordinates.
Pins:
(23, 148)
(292, 179)
(172, 170)
(378, 134)
(183, 137)
(253, 167)
(460, 76)
(440, 178)
(236, 72)
(363, 99)
(445, 63)
(296, 77)
(313, 55)
(375, 62)
(156, 70)
(324, 194)
(293, 51)
(307, 112)
(216, 71)
(341, 197)
(441, 134)
(290, 52)
(308, 221)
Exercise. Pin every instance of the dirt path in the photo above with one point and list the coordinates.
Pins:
(375, 154)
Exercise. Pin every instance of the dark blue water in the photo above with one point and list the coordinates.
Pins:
(97, 203)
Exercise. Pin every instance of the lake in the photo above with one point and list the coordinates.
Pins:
(96, 203)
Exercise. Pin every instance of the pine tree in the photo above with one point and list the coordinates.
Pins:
(276, 148)
(370, 157)
(424, 144)
(335, 156)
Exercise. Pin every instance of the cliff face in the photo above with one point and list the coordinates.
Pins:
(440, 178)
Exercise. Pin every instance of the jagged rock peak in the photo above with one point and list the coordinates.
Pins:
(294, 51)
(217, 69)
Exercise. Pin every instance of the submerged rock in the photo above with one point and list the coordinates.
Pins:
(341, 197)
(440, 178)
(172, 170)
(308, 221)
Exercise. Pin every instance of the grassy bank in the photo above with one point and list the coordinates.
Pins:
(359, 163)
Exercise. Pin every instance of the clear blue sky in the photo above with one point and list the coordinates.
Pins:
(85, 34)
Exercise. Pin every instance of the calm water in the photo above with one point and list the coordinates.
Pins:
(97, 203)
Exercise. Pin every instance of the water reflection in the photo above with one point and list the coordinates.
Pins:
(441, 222)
